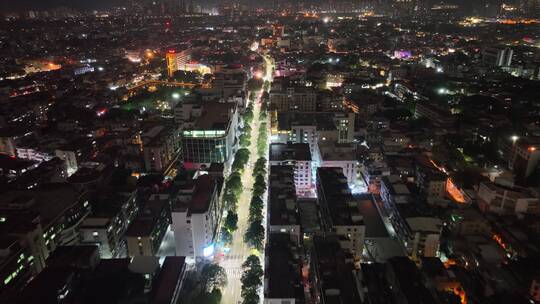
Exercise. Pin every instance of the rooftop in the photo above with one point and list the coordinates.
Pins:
(282, 271)
(282, 196)
(195, 196)
(214, 116)
(167, 280)
(334, 271)
(147, 218)
(375, 227)
(290, 151)
(50, 201)
(337, 152)
(323, 121)
(425, 224)
(336, 198)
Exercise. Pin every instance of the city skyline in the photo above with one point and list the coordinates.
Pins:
(270, 152)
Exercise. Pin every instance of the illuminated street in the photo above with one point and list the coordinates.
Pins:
(259, 152)
(232, 261)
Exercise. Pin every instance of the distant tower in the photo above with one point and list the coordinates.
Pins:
(172, 62)
(182, 6)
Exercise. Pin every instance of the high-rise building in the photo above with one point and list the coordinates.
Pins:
(177, 60)
(208, 131)
(497, 57)
(195, 216)
(294, 99)
(340, 210)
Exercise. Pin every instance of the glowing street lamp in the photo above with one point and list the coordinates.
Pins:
(175, 95)
(514, 138)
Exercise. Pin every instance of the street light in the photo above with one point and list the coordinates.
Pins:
(514, 138)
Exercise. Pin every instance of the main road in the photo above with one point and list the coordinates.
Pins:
(239, 251)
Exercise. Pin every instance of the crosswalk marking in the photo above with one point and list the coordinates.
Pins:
(235, 272)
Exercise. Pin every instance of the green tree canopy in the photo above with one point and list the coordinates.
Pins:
(213, 276)
(255, 209)
(260, 167)
(254, 84)
(250, 296)
(240, 159)
(253, 272)
(204, 297)
(245, 140)
(254, 236)
(234, 183)
(230, 200)
(231, 221)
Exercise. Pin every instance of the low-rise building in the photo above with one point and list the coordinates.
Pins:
(431, 181)
(525, 156)
(425, 234)
(507, 200)
(435, 114)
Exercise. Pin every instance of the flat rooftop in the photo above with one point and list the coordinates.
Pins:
(335, 198)
(50, 201)
(323, 121)
(282, 196)
(215, 116)
(283, 273)
(168, 279)
(375, 227)
(395, 185)
(199, 193)
(290, 151)
(337, 152)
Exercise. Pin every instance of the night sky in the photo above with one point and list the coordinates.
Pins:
(16, 5)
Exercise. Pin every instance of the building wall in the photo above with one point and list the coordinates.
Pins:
(183, 235)
(194, 232)
(294, 101)
(70, 158)
(350, 169)
(303, 178)
(201, 235)
(502, 201)
(352, 238)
